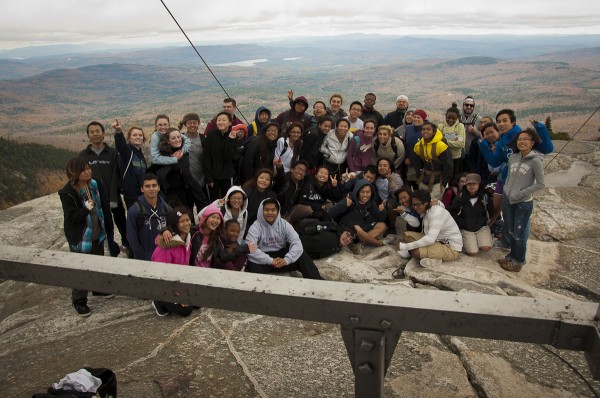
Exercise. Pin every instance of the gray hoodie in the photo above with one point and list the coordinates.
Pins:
(525, 176)
(270, 238)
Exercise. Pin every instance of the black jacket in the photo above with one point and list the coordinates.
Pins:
(105, 169)
(219, 152)
(472, 217)
(75, 213)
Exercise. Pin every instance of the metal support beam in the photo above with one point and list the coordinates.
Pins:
(564, 324)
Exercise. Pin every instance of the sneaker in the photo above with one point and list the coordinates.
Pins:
(356, 247)
(124, 249)
(103, 295)
(390, 231)
(509, 266)
(391, 238)
(82, 308)
(404, 254)
(159, 310)
(430, 262)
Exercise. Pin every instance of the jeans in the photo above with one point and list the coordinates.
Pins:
(304, 264)
(517, 221)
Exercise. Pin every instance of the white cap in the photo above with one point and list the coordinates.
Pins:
(402, 97)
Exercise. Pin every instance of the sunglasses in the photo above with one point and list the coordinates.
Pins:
(469, 105)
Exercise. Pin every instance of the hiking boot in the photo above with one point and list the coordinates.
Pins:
(103, 295)
(160, 311)
(391, 238)
(82, 308)
(430, 262)
(356, 247)
(509, 265)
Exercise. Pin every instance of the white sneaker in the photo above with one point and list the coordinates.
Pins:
(388, 239)
(430, 262)
(404, 254)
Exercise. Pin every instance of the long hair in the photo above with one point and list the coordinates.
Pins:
(266, 149)
(298, 145)
(252, 182)
(212, 236)
(74, 168)
(174, 216)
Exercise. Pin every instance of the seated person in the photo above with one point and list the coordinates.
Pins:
(471, 211)
(317, 190)
(279, 246)
(322, 239)
(360, 211)
(441, 240)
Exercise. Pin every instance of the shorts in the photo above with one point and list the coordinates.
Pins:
(436, 250)
(472, 241)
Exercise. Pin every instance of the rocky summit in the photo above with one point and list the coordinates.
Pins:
(216, 353)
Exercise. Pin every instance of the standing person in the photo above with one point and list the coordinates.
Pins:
(335, 108)
(132, 162)
(454, 135)
(86, 227)
(335, 148)
(369, 112)
(386, 145)
(433, 162)
(219, 153)
(353, 117)
(261, 118)
(229, 106)
(319, 110)
(312, 141)
(400, 132)
(146, 218)
(471, 121)
(191, 121)
(396, 117)
(471, 211)
(279, 246)
(259, 152)
(297, 114)
(360, 150)
(289, 146)
(441, 239)
(412, 136)
(525, 176)
(162, 124)
(176, 251)
(104, 162)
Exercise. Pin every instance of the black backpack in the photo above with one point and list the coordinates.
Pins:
(108, 389)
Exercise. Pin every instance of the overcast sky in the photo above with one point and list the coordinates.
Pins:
(39, 22)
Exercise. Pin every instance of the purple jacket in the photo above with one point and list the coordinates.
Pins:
(360, 152)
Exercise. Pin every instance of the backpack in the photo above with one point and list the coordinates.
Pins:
(108, 389)
(392, 143)
(140, 219)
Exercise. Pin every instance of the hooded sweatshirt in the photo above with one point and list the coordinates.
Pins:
(290, 116)
(364, 215)
(333, 150)
(360, 151)
(271, 238)
(525, 176)
(424, 158)
(226, 210)
(256, 127)
(455, 137)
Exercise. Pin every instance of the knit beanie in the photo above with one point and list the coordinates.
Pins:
(421, 113)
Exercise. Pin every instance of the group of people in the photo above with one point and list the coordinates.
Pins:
(274, 195)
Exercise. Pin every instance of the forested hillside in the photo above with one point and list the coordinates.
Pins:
(28, 171)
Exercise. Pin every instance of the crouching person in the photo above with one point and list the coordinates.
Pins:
(279, 246)
(441, 239)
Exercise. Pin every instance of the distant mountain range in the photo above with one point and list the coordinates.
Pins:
(347, 50)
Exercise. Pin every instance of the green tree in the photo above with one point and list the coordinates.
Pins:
(549, 124)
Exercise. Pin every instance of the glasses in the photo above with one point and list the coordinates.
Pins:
(469, 105)
(523, 139)
(295, 132)
(301, 171)
(418, 204)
